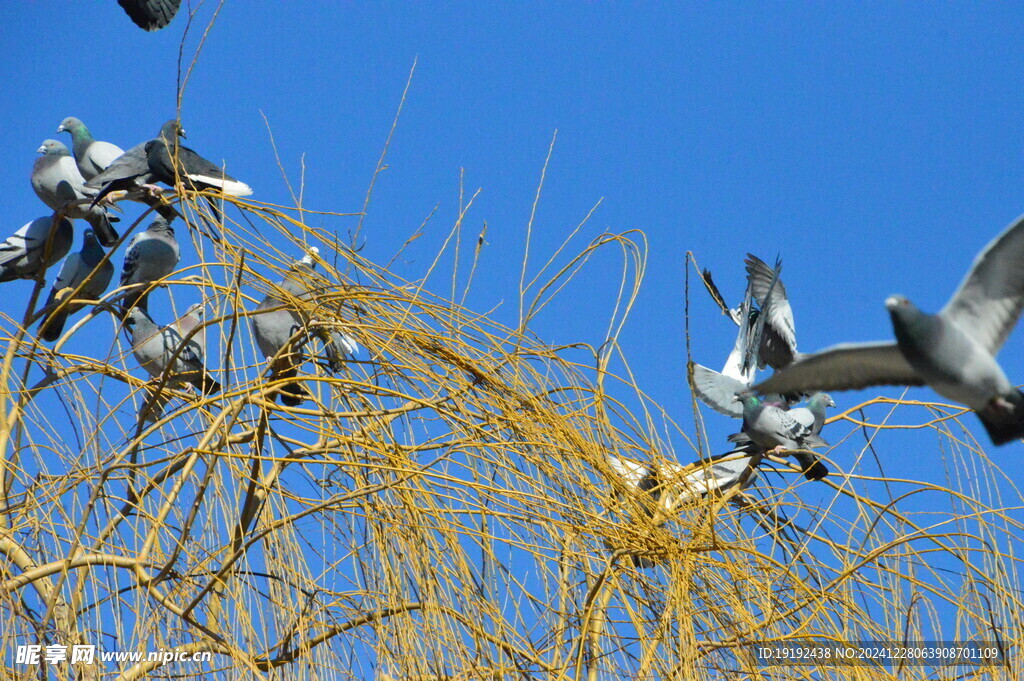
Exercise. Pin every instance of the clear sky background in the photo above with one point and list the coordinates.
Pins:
(876, 147)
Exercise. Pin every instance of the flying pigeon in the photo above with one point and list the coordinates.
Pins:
(952, 351)
(194, 171)
(778, 342)
(772, 428)
(718, 390)
(152, 255)
(22, 254)
(92, 156)
(155, 347)
(77, 267)
(57, 181)
(150, 15)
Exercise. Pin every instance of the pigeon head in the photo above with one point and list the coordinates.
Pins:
(89, 239)
(823, 399)
(160, 224)
(72, 125)
(903, 312)
(53, 148)
(171, 131)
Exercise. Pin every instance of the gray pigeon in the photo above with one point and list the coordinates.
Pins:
(76, 269)
(772, 428)
(718, 390)
(150, 15)
(193, 318)
(155, 347)
(57, 181)
(952, 351)
(128, 171)
(280, 329)
(91, 155)
(152, 255)
(778, 342)
(22, 254)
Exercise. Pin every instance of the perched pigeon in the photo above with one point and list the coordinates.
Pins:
(282, 330)
(91, 155)
(155, 347)
(76, 269)
(194, 171)
(128, 171)
(771, 427)
(152, 255)
(812, 416)
(22, 254)
(673, 484)
(184, 324)
(663, 488)
(952, 351)
(150, 15)
(57, 181)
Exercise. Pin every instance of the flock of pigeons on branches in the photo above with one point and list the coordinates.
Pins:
(86, 185)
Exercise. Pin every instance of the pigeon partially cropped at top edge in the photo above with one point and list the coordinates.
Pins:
(154, 348)
(952, 351)
(91, 155)
(57, 181)
(76, 269)
(152, 255)
(24, 253)
(150, 15)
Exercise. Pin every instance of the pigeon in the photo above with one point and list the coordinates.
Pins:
(57, 181)
(91, 155)
(812, 416)
(155, 347)
(715, 389)
(152, 255)
(150, 15)
(22, 254)
(280, 329)
(666, 487)
(952, 351)
(772, 428)
(184, 324)
(778, 342)
(76, 269)
(194, 171)
(128, 171)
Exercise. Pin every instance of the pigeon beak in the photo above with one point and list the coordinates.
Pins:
(60, 129)
(41, 149)
(181, 133)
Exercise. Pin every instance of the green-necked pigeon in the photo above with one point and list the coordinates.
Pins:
(91, 155)
(772, 428)
(76, 269)
(952, 351)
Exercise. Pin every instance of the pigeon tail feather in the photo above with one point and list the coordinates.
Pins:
(1009, 428)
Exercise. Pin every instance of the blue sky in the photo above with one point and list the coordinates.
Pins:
(875, 147)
